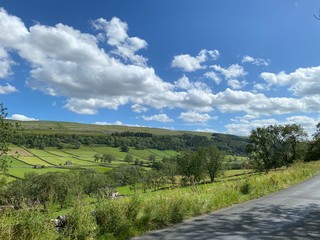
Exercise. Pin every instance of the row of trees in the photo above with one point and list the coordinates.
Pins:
(193, 166)
(139, 141)
(63, 188)
(276, 146)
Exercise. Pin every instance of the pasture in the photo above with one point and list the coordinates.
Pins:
(23, 161)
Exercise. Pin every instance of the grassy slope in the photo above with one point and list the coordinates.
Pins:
(79, 128)
(52, 159)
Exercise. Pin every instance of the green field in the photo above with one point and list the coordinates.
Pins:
(53, 159)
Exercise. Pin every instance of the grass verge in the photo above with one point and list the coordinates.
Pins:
(133, 216)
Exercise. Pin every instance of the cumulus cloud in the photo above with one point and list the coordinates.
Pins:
(213, 76)
(210, 130)
(302, 82)
(189, 63)
(232, 72)
(236, 84)
(159, 118)
(138, 108)
(119, 123)
(20, 117)
(5, 63)
(183, 83)
(194, 117)
(244, 126)
(116, 35)
(255, 61)
(261, 87)
(67, 62)
(259, 104)
(7, 89)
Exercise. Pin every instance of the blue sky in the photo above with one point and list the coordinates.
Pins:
(219, 66)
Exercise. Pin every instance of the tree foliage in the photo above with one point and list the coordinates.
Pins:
(195, 165)
(8, 131)
(313, 147)
(274, 146)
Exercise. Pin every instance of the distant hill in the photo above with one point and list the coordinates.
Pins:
(230, 144)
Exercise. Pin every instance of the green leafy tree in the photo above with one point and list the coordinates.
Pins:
(128, 158)
(8, 131)
(313, 147)
(126, 175)
(97, 157)
(108, 158)
(191, 166)
(124, 148)
(274, 146)
(212, 161)
(152, 158)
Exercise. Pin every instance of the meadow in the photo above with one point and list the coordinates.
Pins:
(41, 161)
(139, 213)
(51, 159)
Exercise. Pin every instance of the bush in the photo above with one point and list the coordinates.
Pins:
(245, 188)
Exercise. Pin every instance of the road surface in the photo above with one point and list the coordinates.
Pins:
(293, 213)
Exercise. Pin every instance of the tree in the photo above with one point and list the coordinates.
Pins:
(191, 166)
(97, 157)
(212, 160)
(274, 146)
(128, 158)
(124, 148)
(169, 169)
(126, 175)
(313, 147)
(7, 133)
(107, 158)
(152, 158)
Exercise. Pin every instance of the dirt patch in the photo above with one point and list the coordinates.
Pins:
(16, 151)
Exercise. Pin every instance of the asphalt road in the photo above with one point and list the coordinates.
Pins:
(293, 213)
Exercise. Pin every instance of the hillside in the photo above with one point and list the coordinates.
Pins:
(230, 144)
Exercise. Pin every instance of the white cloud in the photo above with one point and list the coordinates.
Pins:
(183, 83)
(5, 63)
(232, 72)
(194, 117)
(213, 76)
(66, 62)
(243, 127)
(138, 108)
(159, 118)
(302, 82)
(69, 63)
(261, 87)
(255, 61)
(259, 104)
(7, 89)
(119, 123)
(190, 64)
(236, 84)
(21, 117)
(209, 130)
(116, 34)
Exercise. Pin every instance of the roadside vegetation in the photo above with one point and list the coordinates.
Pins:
(116, 185)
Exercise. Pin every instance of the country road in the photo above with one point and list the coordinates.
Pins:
(293, 213)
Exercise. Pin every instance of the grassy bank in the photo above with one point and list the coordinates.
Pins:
(127, 217)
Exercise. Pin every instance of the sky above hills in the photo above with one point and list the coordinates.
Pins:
(219, 66)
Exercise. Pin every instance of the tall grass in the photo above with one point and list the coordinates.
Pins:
(132, 216)
(26, 224)
(159, 209)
